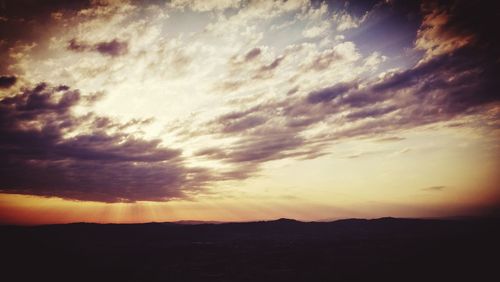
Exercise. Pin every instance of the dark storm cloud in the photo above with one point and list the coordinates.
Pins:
(91, 163)
(7, 81)
(111, 48)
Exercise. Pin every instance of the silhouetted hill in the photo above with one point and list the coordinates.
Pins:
(386, 249)
(195, 222)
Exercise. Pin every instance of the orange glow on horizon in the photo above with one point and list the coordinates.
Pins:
(34, 210)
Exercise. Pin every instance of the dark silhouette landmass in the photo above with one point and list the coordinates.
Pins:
(385, 249)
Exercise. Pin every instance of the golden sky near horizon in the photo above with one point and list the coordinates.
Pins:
(138, 111)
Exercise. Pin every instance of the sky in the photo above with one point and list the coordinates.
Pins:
(141, 111)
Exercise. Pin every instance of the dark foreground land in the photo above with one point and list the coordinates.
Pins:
(284, 250)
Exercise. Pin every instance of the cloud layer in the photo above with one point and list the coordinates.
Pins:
(201, 92)
(47, 150)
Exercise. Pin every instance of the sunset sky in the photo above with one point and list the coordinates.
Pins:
(140, 111)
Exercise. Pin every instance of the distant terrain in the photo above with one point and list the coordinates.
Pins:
(385, 249)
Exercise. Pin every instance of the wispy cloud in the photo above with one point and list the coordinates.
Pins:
(111, 48)
(434, 188)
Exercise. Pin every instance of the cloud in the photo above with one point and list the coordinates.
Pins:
(244, 123)
(7, 81)
(111, 48)
(266, 71)
(206, 5)
(339, 54)
(448, 86)
(448, 27)
(371, 112)
(344, 21)
(374, 60)
(232, 92)
(329, 93)
(433, 38)
(264, 148)
(27, 22)
(390, 139)
(83, 157)
(317, 30)
(434, 188)
(252, 54)
(464, 80)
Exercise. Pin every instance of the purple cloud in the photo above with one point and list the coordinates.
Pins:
(113, 48)
(92, 165)
(7, 81)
